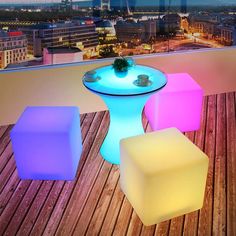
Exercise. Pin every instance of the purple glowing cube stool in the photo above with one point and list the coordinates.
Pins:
(47, 143)
(178, 104)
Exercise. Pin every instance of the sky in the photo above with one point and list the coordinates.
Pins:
(138, 2)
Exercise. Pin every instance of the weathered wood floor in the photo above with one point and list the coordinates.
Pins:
(94, 204)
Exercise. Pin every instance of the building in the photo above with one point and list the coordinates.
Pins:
(105, 30)
(130, 31)
(136, 32)
(172, 22)
(213, 18)
(150, 27)
(228, 35)
(77, 33)
(13, 48)
(60, 55)
(15, 25)
(184, 24)
(206, 29)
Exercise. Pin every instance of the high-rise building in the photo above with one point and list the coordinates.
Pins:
(183, 6)
(76, 33)
(13, 48)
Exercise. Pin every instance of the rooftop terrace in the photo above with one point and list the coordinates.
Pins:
(93, 203)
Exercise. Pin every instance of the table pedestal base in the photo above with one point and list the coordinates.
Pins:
(125, 121)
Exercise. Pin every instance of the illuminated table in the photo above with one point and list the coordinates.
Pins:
(125, 102)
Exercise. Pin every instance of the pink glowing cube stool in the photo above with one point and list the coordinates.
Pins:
(178, 104)
(47, 143)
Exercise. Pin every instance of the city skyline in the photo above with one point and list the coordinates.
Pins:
(137, 2)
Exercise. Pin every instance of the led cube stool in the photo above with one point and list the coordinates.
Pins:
(163, 175)
(178, 104)
(47, 143)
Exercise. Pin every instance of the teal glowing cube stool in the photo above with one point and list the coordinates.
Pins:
(47, 143)
(163, 175)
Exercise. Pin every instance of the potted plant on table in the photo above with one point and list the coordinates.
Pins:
(121, 66)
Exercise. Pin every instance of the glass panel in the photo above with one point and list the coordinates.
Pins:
(46, 32)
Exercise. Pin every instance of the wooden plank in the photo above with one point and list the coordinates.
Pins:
(5, 139)
(87, 178)
(98, 216)
(123, 219)
(231, 163)
(5, 157)
(82, 117)
(135, 225)
(28, 222)
(219, 207)
(13, 204)
(162, 229)
(176, 226)
(2, 131)
(88, 208)
(191, 219)
(112, 212)
(205, 217)
(7, 172)
(22, 208)
(8, 190)
(198, 137)
(148, 230)
(47, 210)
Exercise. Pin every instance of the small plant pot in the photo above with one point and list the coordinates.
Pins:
(121, 74)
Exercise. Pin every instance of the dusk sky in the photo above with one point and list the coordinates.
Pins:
(138, 2)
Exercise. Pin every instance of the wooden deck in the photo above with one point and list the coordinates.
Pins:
(94, 204)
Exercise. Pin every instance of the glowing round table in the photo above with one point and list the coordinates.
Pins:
(125, 102)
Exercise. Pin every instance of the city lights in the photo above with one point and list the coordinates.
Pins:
(105, 28)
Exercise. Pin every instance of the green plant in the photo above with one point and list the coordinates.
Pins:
(121, 64)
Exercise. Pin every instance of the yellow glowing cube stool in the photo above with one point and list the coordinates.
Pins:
(163, 175)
